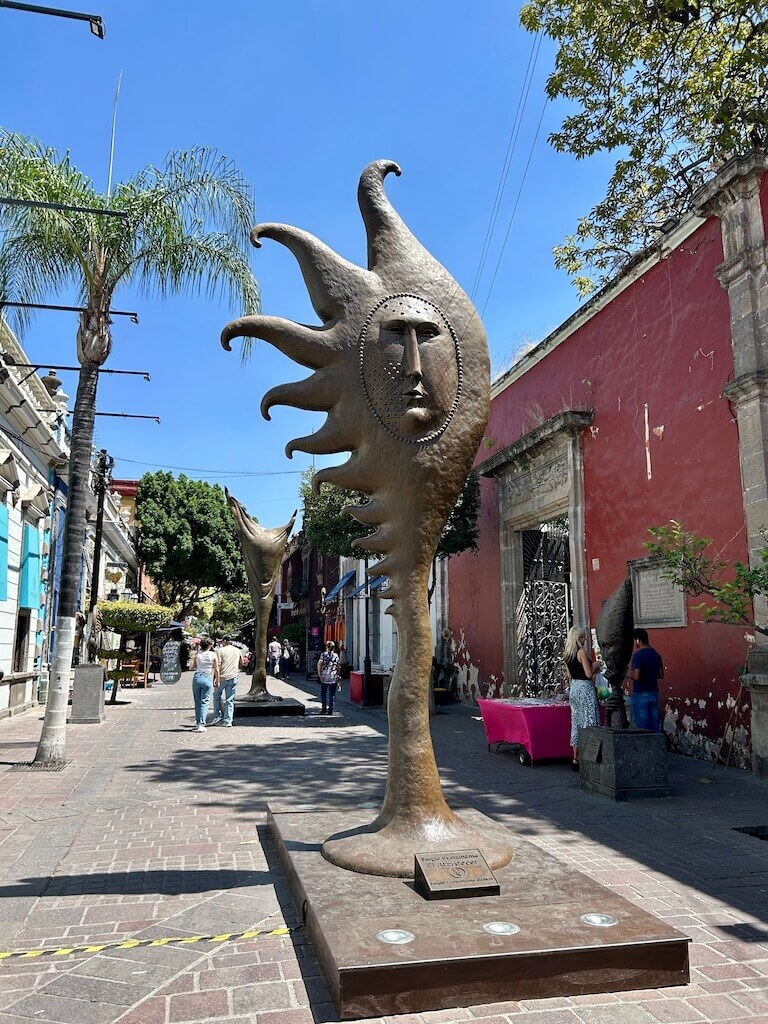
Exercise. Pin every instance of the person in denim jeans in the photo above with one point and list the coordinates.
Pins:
(328, 671)
(645, 671)
(230, 658)
(206, 676)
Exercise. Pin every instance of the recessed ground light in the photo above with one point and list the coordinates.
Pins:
(395, 936)
(501, 928)
(598, 920)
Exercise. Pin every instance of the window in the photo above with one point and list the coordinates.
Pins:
(21, 641)
(3, 552)
(29, 584)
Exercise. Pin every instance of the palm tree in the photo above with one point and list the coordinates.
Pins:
(186, 230)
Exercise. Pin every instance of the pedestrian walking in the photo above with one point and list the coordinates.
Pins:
(645, 671)
(274, 651)
(205, 666)
(582, 697)
(230, 659)
(328, 671)
(286, 660)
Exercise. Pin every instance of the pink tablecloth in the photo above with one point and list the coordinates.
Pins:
(542, 727)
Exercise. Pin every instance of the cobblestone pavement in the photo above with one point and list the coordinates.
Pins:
(155, 830)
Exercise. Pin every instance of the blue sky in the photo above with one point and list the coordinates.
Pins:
(302, 96)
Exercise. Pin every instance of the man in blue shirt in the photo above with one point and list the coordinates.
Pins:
(645, 671)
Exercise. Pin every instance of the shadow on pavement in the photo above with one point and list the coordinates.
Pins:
(156, 882)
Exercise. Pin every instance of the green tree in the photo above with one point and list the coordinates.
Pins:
(126, 617)
(187, 540)
(672, 87)
(331, 530)
(460, 533)
(228, 611)
(729, 587)
(185, 229)
(326, 525)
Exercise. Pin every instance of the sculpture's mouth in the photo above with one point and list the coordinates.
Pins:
(416, 395)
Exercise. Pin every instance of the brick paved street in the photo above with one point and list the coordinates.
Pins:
(154, 830)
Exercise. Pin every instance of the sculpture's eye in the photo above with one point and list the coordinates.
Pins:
(395, 328)
(427, 332)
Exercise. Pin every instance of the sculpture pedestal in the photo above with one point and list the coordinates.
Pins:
(623, 763)
(268, 709)
(451, 960)
(88, 695)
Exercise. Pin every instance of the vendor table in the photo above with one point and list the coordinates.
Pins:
(542, 728)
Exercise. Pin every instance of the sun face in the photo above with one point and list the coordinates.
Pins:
(401, 368)
(410, 367)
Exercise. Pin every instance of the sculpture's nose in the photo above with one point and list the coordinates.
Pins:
(411, 358)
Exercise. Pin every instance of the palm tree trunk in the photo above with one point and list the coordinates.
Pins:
(52, 746)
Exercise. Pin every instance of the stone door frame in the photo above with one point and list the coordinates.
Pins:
(540, 477)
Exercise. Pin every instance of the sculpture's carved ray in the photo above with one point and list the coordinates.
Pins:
(316, 394)
(309, 346)
(333, 437)
(350, 476)
(331, 280)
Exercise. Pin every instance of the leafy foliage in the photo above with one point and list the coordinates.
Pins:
(130, 617)
(187, 539)
(673, 87)
(294, 633)
(460, 533)
(730, 587)
(186, 230)
(228, 611)
(327, 527)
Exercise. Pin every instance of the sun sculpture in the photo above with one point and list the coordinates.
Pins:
(262, 553)
(401, 367)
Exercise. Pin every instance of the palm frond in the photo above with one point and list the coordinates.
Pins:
(209, 264)
(60, 242)
(200, 186)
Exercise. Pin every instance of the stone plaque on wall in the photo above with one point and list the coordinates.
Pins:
(658, 602)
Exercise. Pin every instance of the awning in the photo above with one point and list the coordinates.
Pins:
(335, 591)
(375, 584)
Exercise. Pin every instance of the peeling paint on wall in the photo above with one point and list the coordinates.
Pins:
(470, 684)
(687, 735)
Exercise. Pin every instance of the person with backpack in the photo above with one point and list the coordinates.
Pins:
(328, 673)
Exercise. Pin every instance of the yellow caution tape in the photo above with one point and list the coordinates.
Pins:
(180, 940)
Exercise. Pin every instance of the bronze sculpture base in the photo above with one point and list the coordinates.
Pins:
(451, 959)
(260, 697)
(284, 707)
(391, 850)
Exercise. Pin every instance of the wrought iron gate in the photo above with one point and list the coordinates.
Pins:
(544, 610)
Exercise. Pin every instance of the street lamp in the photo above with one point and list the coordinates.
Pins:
(95, 22)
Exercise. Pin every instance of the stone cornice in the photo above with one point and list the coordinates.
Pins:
(571, 421)
(735, 173)
(748, 261)
(749, 385)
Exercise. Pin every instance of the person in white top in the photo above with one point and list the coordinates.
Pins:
(274, 650)
(205, 667)
(230, 659)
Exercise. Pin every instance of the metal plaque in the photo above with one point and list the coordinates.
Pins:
(593, 749)
(454, 874)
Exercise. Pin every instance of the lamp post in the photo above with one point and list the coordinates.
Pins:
(104, 465)
(95, 21)
(367, 659)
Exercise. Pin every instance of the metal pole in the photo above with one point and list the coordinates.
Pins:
(102, 473)
(367, 659)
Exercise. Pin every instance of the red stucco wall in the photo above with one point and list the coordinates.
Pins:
(663, 343)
